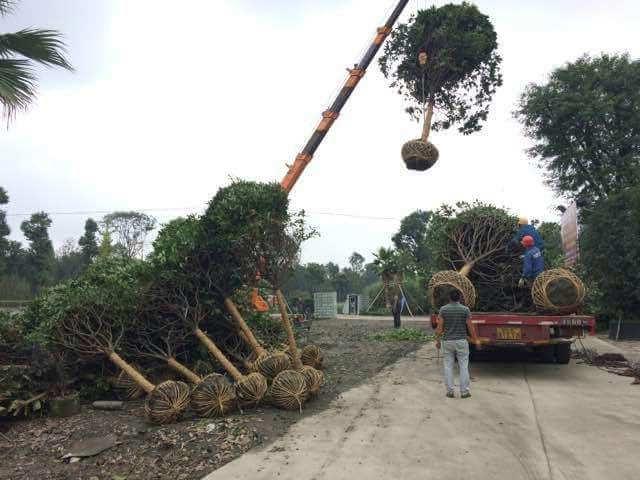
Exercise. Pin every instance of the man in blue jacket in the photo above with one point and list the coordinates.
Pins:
(532, 263)
(524, 229)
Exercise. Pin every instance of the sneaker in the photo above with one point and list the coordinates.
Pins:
(465, 395)
(451, 395)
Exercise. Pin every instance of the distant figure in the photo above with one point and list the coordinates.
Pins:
(532, 262)
(453, 323)
(396, 310)
(524, 229)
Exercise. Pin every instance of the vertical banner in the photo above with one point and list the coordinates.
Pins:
(569, 231)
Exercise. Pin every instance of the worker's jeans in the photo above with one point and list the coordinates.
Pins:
(452, 349)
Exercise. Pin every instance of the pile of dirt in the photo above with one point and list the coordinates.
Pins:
(189, 449)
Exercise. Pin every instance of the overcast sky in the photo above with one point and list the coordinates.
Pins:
(171, 99)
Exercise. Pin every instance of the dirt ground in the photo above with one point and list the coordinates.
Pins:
(194, 447)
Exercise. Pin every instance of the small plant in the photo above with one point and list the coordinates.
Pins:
(402, 335)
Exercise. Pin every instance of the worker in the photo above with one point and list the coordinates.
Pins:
(454, 321)
(524, 229)
(396, 310)
(532, 262)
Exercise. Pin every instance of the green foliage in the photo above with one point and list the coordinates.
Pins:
(586, 125)
(129, 229)
(610, 252)
(357, 262)
(40, 257)
(403, 334)
(389, 262)
(89, 242)
(175, 242)
(4, 230)
(19, 52)
(463, 68)
(412, 238)
(553, 253)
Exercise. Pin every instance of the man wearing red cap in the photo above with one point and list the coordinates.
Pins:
(533, 261)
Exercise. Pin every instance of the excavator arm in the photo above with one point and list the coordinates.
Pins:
(330, 115)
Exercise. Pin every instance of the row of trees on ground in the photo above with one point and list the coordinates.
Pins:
(25, 270)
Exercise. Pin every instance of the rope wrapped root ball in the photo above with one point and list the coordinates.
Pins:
(251, 389)
(130, 389)
(289, 390)
(558, 291)
(272, 364)
(213, 397)
(443, 282)
(167, 402)
(312, 356)
(419, 155)
(313, 379)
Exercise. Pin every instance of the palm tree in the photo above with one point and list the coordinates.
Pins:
(18, 52)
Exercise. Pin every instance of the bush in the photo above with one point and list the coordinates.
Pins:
(610, 253)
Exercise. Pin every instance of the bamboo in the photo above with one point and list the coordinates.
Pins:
(244, 328)
(136, 376)
(219, 356)
(184, 371)
(286, 322)
(428, 116)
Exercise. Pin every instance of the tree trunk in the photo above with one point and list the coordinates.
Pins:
(286, 323)
(218, 355)
(184, 371)
(133, 374)
(428, 116)
(244, 328)
(466, 270)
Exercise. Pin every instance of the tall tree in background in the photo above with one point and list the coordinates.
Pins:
(585, 122)
(19, 52)
(4, 230)
(130, 230)
(412, 238)
(89, 242)
(357, 262)
(40, 255)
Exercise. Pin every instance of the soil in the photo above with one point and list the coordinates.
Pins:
(34, 449)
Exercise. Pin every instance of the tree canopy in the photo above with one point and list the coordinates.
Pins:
(462, 71)
(585, 125)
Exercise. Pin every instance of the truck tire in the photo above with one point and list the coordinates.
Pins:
(563, 353)
(548, 354)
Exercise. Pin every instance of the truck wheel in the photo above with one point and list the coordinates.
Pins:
(563, 353)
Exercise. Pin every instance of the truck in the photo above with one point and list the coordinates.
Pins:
(550, 335)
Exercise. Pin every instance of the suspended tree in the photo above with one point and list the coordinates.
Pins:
(444, 62)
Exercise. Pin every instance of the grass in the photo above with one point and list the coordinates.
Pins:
(402, 335)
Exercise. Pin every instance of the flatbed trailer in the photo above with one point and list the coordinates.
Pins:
(550, 334)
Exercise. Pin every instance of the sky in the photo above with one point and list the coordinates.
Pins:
(170, 101)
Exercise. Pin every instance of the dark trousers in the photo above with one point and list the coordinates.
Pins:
(396, 319)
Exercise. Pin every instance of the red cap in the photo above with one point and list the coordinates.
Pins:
(528, 241)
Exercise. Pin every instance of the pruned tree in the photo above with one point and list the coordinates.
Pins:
(41, 256)
(444, 62)
(88, 242)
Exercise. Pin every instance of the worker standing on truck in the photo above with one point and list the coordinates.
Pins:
(454, 322)
(524, 229)
(532, 262)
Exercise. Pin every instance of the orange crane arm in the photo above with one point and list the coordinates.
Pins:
(330, 115)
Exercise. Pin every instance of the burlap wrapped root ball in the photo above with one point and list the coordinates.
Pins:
(442, 283)
(289, 390)
(312, 356)
(167, 402)
(314, 379)
(215, 396)
(419, 155)
(272, 364)
(558, 291)
(251, 389)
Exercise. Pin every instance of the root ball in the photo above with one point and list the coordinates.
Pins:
(167, 402)
(289, 390)
(272, 364)
(213, 397)
(313, 379)
(419, 155)
(251, 389)
(312, 355)
(442, 283)
(558, 291)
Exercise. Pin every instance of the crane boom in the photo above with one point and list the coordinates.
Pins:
(330, 115)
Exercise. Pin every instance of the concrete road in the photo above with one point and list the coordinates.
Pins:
(525, 421)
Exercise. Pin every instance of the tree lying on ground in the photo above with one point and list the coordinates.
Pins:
(19, 51)
(444, 60)
(585, 126)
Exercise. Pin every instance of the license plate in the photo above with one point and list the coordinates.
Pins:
(508, 333)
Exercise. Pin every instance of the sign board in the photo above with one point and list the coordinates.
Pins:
(325, 304)
(569, 231)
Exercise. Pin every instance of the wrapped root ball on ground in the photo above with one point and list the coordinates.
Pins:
(442, 283)
(129, 388)
(313, 379)
(419, 155)
(251, 389)
(312, 356)
(289, 390)
(558, 291)
(167, 402)
(272, 364)
(215, 396)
